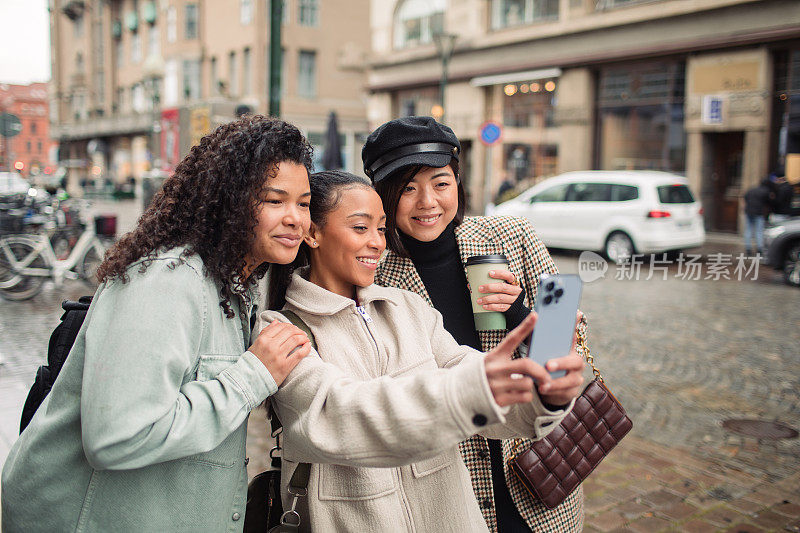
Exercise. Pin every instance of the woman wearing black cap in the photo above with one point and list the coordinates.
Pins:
(414, 163)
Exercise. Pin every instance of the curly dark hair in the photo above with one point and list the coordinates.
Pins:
(209, 203)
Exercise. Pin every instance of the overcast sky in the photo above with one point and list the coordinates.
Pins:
(24, 41)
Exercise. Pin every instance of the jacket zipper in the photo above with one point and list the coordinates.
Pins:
(367, 320)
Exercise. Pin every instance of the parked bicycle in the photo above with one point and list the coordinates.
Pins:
(28, 259)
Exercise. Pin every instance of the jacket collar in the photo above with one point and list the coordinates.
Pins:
(306, 296)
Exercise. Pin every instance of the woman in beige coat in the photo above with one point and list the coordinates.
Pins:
(381, 411)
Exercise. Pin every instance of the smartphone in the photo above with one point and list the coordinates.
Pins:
(557, 299)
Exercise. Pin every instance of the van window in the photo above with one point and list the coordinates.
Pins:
(674, 194)
(553, 194)
(623, 193)
(589, 192)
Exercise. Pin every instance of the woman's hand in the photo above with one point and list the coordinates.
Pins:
(562, 390)
(274, 346)
(511, 380)
(502, 294)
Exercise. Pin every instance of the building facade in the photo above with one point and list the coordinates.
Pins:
(31, 151)
(708, 89)
(137, 82)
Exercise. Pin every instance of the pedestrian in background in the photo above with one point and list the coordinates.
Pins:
(757, 203)
(380, 413)
(414, 164)
(144, 429)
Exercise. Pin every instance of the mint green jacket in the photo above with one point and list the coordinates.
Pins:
(144, 430)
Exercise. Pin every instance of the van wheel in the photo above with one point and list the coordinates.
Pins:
(619, 247)
(791, 264)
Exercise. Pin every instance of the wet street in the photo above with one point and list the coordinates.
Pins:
(682, 355)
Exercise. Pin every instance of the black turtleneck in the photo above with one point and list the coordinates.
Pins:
(438, 263)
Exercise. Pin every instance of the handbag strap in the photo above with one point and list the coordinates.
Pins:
(590, 359)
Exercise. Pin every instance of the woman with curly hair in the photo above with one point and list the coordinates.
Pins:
(144, 430)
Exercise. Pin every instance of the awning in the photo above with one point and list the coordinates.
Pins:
(512, 77)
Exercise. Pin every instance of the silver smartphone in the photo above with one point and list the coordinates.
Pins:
(557, 299)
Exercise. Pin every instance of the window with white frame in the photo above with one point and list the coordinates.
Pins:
(153, 42)
(246, 72)
(417, 21)
(172, 24)
(308, 13)
(120, 52)
(307, 74)
(233, 86)
(136, 47)
(138, 98)
(191, 79)
(245, 12)
(510, 13)
(191, 21)
(214, 77)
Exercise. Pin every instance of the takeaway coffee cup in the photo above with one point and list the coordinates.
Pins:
(478, 267)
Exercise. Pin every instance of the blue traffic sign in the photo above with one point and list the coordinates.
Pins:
(490, 132)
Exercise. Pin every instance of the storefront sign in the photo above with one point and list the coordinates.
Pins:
(199, 123)
(170, 137)
(726, 77)
(713, 109)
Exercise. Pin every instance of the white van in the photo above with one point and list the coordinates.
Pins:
(618, 213)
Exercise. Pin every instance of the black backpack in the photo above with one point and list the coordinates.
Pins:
(61, 341)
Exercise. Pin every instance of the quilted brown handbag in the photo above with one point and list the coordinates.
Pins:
(554, 466)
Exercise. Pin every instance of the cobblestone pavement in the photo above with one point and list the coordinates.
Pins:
(681, 355)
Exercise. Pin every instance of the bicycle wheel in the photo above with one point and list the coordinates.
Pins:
(15, 286)
(90, 262)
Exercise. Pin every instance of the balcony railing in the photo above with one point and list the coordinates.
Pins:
(104, 126)
(605, 5)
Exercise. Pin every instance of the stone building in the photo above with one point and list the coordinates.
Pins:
(29, 152)
(709, 89)
(137, 82)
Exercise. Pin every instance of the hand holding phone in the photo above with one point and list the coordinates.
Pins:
(557, 299)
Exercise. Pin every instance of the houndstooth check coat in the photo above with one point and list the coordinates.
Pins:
(528, 258)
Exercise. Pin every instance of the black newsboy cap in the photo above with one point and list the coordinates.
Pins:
(408, 141)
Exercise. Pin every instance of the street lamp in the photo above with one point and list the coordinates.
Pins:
(445, 43)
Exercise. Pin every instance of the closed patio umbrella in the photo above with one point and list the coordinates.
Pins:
(332, 149)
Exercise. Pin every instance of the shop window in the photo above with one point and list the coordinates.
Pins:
(641, 117)
(525, 162)
(413, 102)
(417, 21)
(529, 104)
(509, 13)
(786, 111)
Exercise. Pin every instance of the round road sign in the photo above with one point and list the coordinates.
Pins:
(490, 132)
